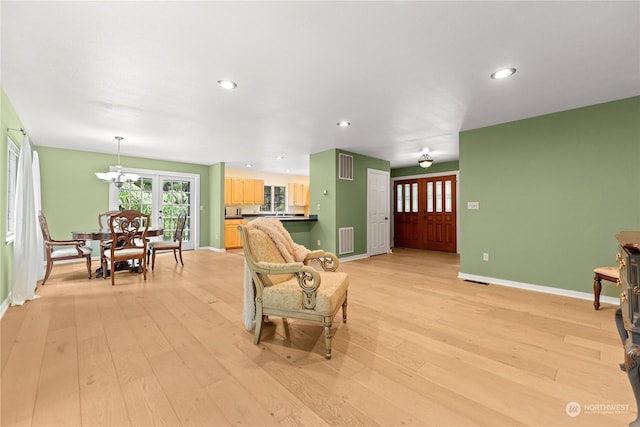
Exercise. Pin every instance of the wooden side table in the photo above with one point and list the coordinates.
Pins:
(610, 274)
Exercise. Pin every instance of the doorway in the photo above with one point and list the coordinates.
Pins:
(163, 195)
(425, 213)
(377, 212)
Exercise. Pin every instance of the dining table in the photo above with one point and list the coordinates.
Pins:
(105, 235)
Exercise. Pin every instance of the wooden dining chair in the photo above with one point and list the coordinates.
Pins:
(128, 241)
(58, 250)
(175, 244)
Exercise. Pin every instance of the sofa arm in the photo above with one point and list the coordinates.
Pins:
(327, 260)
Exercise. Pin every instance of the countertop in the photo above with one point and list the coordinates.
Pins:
(281, 218)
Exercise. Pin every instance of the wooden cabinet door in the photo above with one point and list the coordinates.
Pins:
(227, 191)
(248, 192)
(236, 191)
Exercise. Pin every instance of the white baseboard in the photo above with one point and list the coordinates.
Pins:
(353, 258)
(211, 248)
(538, 288)
(5, 305)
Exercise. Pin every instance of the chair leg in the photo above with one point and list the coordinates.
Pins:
(143, 264)
(48, 272)
(175, 256)
(153, 258)
(180, 252)
(344, 311)
(327, 338)
(259, 322)
(89, 265)
(113, 272)
(597, 288)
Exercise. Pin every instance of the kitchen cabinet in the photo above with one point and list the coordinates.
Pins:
(227, 191)
(298, 194)
(243, 191)
(232, 237)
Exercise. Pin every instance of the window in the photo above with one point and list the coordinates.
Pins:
(12, 174)
(275, 199)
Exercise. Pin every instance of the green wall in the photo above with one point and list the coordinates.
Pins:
(8, 119)
(216, 195)
(72, 196)
(345, 204)
(417, 170)
(323, 176)
(553, 192)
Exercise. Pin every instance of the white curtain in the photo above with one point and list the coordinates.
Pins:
(26, 252)
(38, 209)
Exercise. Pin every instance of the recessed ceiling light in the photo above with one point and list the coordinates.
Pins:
(227, 84)
(501, 74)
(280, 158)
(343, 123)
(248, 165)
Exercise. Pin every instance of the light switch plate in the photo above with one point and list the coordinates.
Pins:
(473, 205)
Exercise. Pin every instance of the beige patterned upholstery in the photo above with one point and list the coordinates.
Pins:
(293, 289)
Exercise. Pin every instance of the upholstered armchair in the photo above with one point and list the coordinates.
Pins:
(280, 280)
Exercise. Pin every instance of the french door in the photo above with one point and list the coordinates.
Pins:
(163, 196)
(425, 213)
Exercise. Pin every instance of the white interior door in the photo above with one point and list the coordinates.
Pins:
(377, 212)
(163, 195)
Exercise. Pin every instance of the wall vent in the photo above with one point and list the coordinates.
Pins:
(345, 166)
(345, 240)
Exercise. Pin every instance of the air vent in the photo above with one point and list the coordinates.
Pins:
(345, 166)
(345, 240)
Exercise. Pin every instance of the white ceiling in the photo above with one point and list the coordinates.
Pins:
(408, 75)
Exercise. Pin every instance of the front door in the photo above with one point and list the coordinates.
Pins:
(425, 213)
(438, 213)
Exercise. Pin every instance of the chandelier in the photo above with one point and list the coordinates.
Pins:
(117, 177)
(425, 161)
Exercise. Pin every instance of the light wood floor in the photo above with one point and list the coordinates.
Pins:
(421, 347)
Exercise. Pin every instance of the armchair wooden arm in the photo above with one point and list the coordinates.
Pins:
(328, 261)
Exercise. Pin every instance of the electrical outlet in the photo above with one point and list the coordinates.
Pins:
(318, 242)
(485, 256)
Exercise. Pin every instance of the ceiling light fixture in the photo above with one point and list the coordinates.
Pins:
(343, 123)
(280, 158)
(501, 74)
(227, 84)
(425, 161)
(117, 177)
(248, 165)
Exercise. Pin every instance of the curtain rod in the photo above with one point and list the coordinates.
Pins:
(18, 130)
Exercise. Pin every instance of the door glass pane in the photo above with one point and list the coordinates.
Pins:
(429, 196)
(438, 196)
(447, 196)
(399, 198)
(176, 198)
(414, 197)
(136, 195)
(407, 198)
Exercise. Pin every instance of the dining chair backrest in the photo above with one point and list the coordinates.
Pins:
(182, 220)
(129, 227)
(103, 219)
(44, 228)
